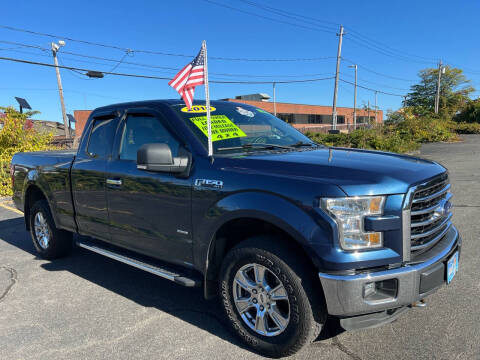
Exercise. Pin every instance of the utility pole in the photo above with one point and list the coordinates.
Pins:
(337, 73)
(274, 101)
(368, 111)
(355, 98)
(376, 107)
(55, 48)
(437, 97)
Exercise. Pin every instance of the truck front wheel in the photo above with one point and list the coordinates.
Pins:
(50, 242)
(269, 297)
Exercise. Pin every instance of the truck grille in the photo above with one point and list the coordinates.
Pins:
(430, 213)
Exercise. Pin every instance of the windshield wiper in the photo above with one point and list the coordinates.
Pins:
(301, 143)
(255, 146)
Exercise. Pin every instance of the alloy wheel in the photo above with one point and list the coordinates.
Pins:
(261, 300)
(42, 232)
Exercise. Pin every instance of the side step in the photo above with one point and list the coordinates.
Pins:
(142, 265)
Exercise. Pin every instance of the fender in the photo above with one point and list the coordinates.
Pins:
(33, 179)
(299, 221)
(53, 181)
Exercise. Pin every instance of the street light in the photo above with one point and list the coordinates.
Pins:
(55, 48)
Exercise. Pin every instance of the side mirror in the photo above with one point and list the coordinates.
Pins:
(158, 157)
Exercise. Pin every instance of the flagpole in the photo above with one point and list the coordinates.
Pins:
(207, 100)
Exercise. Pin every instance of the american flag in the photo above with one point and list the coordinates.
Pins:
(189, 77)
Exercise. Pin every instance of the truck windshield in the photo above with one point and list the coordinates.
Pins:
(240, 127)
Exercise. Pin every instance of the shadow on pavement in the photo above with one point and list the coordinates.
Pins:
(141, 287)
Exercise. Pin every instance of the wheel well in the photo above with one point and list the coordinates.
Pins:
(32, 195)
(235, 231)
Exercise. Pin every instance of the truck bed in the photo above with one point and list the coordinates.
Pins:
(49, 171)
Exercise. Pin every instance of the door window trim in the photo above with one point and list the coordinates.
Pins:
(140, 111)
(113, 115)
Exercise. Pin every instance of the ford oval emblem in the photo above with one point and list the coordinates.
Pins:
(443, 208)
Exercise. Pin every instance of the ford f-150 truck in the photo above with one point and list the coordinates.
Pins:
(283, 230)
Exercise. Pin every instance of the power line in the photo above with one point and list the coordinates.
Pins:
(72, 91)
(367, 88)
(466, 69)
(362, 40)
(158, 77)
(378, 73)
(213, 81)
(294, 16)
(150, 65)
(80, 75)
(387, 53)
(277, 78)
(330, 31)
(151, 52)
(373, 42)
(375, 83)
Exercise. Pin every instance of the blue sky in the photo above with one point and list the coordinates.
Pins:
(421, 31)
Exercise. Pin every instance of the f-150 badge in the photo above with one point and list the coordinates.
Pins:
(215, 184)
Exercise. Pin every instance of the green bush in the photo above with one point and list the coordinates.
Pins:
(15, 138)
(467, 128)
(470, 113)
(403, 136)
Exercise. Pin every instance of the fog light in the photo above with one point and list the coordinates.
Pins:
(368, 289)
(380, 290)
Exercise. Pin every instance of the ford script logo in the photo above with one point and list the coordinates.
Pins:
(442, 209)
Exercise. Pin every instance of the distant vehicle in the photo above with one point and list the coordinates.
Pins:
(284, 230)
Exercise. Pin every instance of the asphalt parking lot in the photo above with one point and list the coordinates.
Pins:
(90, 307)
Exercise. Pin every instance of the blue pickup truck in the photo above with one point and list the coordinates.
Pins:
(283, 231)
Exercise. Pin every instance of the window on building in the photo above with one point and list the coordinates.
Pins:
(300, 118)
(288, 118)
(314, 119)
(340, 119)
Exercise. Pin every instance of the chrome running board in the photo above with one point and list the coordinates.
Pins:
(151, 268)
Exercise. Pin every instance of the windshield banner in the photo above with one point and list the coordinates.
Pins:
(222, 127)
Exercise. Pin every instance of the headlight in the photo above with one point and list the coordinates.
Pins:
(349, 213)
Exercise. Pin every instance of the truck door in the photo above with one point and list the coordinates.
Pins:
(149, 211)
(88, 176)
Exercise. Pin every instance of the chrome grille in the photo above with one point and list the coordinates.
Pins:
(430, 216)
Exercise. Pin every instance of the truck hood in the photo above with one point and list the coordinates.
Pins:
(356, 172)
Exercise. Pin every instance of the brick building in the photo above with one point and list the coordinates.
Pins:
(300, 116)
(81, 117)
(305, 116)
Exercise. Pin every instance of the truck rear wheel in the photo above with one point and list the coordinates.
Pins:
(50, 242)
(269, 297)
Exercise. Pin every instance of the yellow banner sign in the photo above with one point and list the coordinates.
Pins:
(222, 127)
(197, 109)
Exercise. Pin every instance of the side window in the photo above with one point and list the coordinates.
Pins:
(101, 137)
(144, 129)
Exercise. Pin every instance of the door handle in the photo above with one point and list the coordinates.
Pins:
(116, 182)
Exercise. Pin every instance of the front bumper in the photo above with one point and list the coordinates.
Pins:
(345, 294)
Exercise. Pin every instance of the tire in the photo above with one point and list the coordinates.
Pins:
(50, 242)
(301, 295)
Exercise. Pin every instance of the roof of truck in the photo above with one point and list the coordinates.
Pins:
(160, 102)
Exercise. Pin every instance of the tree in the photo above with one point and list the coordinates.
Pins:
(16, 137)
(455, 89)
(394, 117)
(470, 114)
